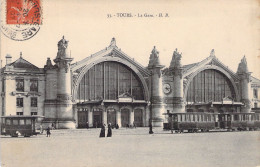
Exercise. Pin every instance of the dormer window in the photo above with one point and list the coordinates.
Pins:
(20, 85)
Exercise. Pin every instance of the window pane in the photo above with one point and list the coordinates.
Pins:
(19, 102)
(209, 85)
(34, 85)
(107, 80)
(20, 85)
(28, 121)
(8, 122)
(15, 122)
(22, 122)
(33, 101)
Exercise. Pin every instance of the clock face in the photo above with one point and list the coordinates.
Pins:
(166, 88)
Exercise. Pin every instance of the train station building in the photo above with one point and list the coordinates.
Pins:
(111, 87)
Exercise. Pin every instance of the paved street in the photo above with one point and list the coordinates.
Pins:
(132, 147)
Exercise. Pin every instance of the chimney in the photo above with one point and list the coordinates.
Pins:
(8, 59)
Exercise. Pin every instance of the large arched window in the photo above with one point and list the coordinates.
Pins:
(209, 85)
(108, 80)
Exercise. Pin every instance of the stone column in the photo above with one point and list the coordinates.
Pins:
(177, 71)
(244, 76)
(157, 106)
(118, 118)
(90, 117)
(104, 116)
(131, 118)
(65, 115)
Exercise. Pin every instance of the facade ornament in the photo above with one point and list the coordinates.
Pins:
(176, 66)
(154, 58)
(212, 53)
(113, 42)
(67, 66)
(63, 48)
(176, 60)
(242, 67)
(48, 64)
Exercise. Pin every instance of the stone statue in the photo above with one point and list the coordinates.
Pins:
(242, 67)
(154, 57)
(176, 60)
(62, 48)
(113, 42)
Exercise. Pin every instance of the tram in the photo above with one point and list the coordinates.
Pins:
(201, 121)
(19, 125)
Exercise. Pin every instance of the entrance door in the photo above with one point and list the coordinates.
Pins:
(97, 117)
(111, 116)
(82, 119)
(138, 117)
(125, 114)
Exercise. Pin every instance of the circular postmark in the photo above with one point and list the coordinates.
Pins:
(20, 19)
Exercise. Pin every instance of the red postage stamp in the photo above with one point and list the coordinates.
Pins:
(22, 19)
(23, 12)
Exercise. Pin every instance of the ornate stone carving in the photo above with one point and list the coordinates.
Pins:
(176, 66)
(154, 58)
(176, 60)
(27, 94)
(247, 103)
(113, 42)
(62, 48)
(212, 53)
(156, 99)
(49, 64)
(242, 67)
(64, 97)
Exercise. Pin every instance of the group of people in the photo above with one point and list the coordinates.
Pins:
(103, 131)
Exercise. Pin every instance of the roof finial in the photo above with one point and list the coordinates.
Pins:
(113, 42)
(212, 53)
(21, 54)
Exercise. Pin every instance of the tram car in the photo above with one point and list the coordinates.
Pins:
(239, 121)
(192, 122)
(19, 125)
(198, 121)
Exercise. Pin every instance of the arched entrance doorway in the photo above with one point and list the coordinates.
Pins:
(111, 116)
(82, 118)
(138, 117)
(97, 117)
(125, 116)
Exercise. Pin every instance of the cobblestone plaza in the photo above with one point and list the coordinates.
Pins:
(132, 147)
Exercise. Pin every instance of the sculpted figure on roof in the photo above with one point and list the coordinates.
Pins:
(62, 48)
(154, 58)
(176, 59)
(242, 67)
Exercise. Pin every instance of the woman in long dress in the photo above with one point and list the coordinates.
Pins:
(109, 131)
(103, 131)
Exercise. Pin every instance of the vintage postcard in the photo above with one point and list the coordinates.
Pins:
(129, 83)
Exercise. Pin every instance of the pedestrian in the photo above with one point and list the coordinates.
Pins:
(52, 126)
(102, 131)
(134, 125)
(150, 129)
(95, 124)
(109, 131)
(41, 130)
(48, 132)
(87, 125)
(117, 126)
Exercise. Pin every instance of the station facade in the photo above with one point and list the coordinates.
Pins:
(111, 87)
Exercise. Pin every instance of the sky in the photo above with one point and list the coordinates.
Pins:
(194, 27)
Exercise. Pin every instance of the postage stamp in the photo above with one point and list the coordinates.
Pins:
(21, 19)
